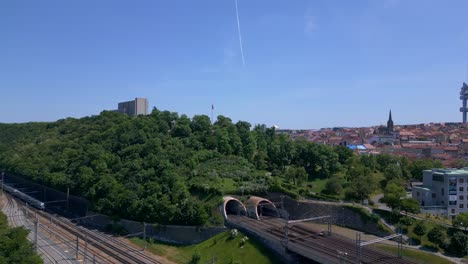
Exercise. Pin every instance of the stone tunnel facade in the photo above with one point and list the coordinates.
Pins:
(233, 206)
(255, 207)
(258, 207)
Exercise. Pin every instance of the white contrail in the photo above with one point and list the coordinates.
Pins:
(240, 35)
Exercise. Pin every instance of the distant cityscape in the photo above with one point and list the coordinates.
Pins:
(447, 142)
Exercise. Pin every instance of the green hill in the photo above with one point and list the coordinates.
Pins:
(171, 169)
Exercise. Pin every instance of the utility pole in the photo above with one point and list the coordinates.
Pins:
(85, 248)
(144, 235)
(400, 245)
(3, 176)
(77, 247)
(36, 222)
(68, 195)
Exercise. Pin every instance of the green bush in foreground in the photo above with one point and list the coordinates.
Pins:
(14, 246)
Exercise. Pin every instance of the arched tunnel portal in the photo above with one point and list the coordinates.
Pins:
(258, 207)
(233, 206)
(267, 208)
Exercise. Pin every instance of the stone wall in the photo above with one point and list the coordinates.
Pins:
(181, 235)
(340, 214)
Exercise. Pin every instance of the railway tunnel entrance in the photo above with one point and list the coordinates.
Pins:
(232, 206)
(267, 208)
(258, 207)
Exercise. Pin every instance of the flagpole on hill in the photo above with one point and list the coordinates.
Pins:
(212, 109)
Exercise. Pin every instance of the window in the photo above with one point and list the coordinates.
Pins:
(442, 191)
(417, 194)
(460, 197)
(443, 202)
(461, 180)
(460, 189)
(438, 177)
(453, 211)
(460, 206)
(433, 195)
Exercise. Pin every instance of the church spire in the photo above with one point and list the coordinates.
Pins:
(390, 123)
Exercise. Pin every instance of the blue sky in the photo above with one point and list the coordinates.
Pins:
(308, 64)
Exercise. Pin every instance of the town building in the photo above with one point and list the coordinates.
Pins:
(139, 106)
(384, 134)
(443, 190)
(390, 124)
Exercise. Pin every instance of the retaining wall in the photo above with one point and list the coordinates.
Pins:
(181, 235)
(340, 214)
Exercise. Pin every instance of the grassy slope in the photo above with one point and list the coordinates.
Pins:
(318, 185)
(424, 240)
(419, 256)
(221, 247)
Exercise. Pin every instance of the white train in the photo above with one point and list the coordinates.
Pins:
(28, 199)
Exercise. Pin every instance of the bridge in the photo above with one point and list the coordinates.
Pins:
(259, 217)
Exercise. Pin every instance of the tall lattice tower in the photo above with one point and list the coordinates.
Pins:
(464, 97)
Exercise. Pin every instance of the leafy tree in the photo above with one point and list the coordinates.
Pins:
(14, 246)
(406, 221)
(393, 194)
(200, 124)
(393, 172)
(333, 186)
(461, 221)
(437, 235)
(459, 244)
(344, 153)
(296, 174)
(362, 186)
(385, 160)
(410, 205)
(420, 229)
(417, 166)
(369, 161)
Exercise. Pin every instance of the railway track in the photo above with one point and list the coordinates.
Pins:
(368, 255)
(68, 241)
(329, 249)
(46, 248)
(93, 246)
(117, 251)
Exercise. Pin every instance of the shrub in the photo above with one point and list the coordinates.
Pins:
(243, 240)
(195, 258)
(333, 186)
(406, 221)
(234, 233)
(420, 229)
(437, 235)
(459, 244)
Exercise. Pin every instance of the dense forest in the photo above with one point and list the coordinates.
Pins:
(166, 168)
